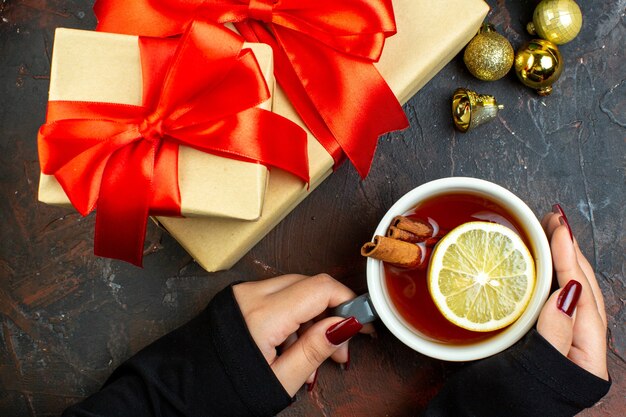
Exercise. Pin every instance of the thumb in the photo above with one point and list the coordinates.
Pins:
(556, 321)
(301, 359)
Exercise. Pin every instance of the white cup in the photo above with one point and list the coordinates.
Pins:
(539, 247)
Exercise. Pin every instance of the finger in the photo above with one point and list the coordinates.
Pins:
(550, 222)
(582, 261)
(272, 285)
(368, 328)
(556, 320)
(557, 209)
(290, 340)
(589, 346)
(252, 298)
(584, 264)
(315, 295)
(567, 268)
(593, 281)
(545, 220)
(303, 328)
(342, 354)
(312, 348)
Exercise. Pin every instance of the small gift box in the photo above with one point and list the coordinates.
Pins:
(119, 108)
(429, 34)
(106, 67)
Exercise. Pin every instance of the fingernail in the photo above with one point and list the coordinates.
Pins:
(342, 331)
(557, 209)
(568, 298)
(346, 366)
(310, 386)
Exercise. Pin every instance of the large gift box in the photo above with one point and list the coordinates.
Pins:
(429, 35)
(139, 126)
(106, 67)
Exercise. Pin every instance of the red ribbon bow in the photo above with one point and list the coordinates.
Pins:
(201, 92)
(324, 51)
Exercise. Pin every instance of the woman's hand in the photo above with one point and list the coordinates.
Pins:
(573, 319)
(287, 313)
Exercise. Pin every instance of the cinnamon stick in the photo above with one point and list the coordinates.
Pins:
(395, 233)
(417, 227)
(393, 251)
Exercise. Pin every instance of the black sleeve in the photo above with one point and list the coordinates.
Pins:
(208, 367)
(530, 379)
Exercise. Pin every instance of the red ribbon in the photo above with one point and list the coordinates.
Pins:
(324, 52)
(201, 91)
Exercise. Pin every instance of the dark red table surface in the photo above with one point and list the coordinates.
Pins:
(68, 318)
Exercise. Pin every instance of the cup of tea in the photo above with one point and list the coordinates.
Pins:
(400, 297)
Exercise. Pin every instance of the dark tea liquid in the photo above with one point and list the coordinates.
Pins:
(408, 288)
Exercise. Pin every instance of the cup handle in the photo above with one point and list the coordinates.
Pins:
(360, 308)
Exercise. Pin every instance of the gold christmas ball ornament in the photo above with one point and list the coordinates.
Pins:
(470, 109)
(558, 21)
(489, 55)
(538, 64)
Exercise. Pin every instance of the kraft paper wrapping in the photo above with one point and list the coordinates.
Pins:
(104, 67)
(429, 35)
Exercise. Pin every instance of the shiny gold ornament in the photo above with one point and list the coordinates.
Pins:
(558, 21)
(489, 55)
(470, 109)
(538, 65)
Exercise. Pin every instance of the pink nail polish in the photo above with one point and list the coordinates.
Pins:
(340, 332)
(557, 209)
(569, 296)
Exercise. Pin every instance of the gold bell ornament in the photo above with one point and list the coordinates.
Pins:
(489, 55)
(538, 64)
(558, 21)
(470, 109)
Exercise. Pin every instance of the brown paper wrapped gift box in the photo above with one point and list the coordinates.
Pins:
(430, 34)
(103, 67)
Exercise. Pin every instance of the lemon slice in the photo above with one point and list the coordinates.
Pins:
(481, 276)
